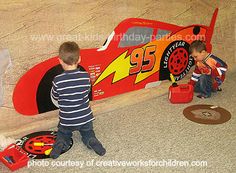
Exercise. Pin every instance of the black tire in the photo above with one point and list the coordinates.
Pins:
(175, 60)
(43, 95)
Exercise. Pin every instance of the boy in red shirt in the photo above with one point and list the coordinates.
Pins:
(209, 71)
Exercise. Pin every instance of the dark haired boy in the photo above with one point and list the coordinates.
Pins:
(209, 71)
(70, 93)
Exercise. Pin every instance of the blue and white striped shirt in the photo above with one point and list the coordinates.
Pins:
(70, 92)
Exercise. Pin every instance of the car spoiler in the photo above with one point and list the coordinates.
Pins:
(211, 26)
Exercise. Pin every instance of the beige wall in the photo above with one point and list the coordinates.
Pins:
(20, 20)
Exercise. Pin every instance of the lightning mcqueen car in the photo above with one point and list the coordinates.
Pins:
(137, 54)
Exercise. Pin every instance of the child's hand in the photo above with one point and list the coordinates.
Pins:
(207, 71)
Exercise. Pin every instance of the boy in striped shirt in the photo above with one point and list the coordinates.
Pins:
(70, 92)
(209, 71)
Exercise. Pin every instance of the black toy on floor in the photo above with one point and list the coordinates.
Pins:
(39, 144)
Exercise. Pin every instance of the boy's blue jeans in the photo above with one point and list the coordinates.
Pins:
(204, 85)
(64, 134)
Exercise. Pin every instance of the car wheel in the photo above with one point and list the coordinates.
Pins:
(43, 96)
(175, 60)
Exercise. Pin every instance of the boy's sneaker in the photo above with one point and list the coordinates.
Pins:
(96, 146)
(56, 150)
(201, 96)
(217, 89)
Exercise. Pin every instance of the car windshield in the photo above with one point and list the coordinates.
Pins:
(107, 42)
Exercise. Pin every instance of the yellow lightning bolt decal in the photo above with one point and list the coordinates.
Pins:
(120, 66)
(141, 76)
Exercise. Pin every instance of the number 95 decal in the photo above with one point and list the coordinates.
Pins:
(142, 59)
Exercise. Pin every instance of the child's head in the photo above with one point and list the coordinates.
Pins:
(198, 50)
(69, 54)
